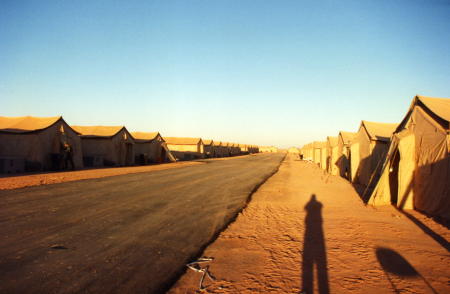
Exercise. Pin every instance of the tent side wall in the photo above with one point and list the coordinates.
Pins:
(39, 150)
(323, 157)
(364, 166)
(98, 151)
(432, 176)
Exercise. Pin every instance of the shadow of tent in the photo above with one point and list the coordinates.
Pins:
(393, 263)
(343, 166)
(369, 170)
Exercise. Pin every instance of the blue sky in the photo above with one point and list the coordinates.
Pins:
(263, 72)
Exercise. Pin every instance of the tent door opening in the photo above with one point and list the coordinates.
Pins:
(393, 177)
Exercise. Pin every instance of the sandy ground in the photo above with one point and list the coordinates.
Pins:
(286, 241)
(15, 182)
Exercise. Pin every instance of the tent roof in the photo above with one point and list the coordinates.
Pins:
(207, 142)
(333, 141)
(145, 136)
(25, 124)
(317, 144)
(439, 106)
(182, 140)
(347, 137)
(379, 131)
(98, 131)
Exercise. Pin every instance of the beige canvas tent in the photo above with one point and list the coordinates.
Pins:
(217, 147)
(294, 150)
(318, 149)
(343, 153)
(268, 149)
(332, 155)
(244, 149)
(368, 150)
(307, 151)
(416, 172)
(226, 149)
(186, 148)
(37, 143)
(150, 148)
(106, 145)
(209, 149)
(254, 149)
(235, 150)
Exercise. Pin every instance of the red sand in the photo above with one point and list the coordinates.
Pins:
(352, 248)
(22, 181)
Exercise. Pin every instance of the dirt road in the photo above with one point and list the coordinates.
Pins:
(307, 232)
(124, 234)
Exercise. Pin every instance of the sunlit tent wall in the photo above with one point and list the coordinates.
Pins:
(308, 151)
(185, 148)
(106, 145)
(416, 172)
(343, 153)
(332, 155)
(244, 148)
(323, 156)
(36, 143)
(150, 148)
(208, 146)
(368, 150)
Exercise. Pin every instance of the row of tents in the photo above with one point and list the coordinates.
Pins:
(49, 143)
(405, 164)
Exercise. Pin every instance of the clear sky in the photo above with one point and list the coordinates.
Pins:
(263, 72)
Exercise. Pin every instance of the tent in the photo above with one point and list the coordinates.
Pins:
(318, 149)
(244, 148)
(217, 148)
(368, 150)
(150, 148)
(37, 143)
(343, 153)
(186, 148)
(307, 151)
(106, 145)
(416, 171)
(332, 155)
(294, 150)
(226, 149)
(208, 146)
(234, 149)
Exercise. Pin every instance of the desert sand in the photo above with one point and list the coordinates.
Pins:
(308, 232)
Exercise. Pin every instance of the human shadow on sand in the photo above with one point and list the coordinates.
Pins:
(314, 250)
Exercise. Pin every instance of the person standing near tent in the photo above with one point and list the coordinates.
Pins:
(68, 156)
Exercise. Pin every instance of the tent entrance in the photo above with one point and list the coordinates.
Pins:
(393, 177)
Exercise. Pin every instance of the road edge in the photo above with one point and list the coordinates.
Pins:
(169, 284)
